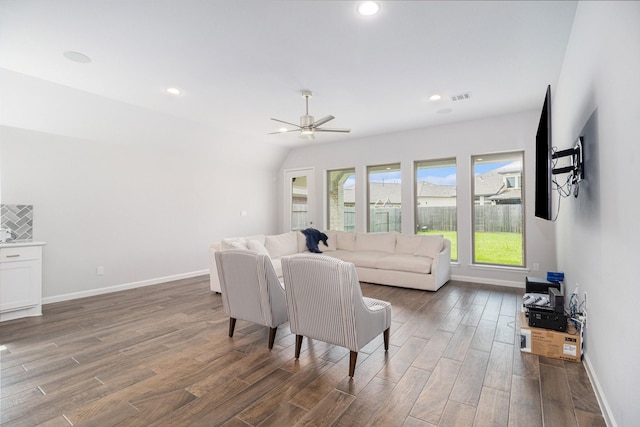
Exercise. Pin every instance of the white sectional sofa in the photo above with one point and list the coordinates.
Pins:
(409, 261)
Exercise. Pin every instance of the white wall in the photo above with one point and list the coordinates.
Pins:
(462, 140)
(597, 234)
(144, 214)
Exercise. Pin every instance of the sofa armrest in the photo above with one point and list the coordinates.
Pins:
(441, 267)
(214, 281)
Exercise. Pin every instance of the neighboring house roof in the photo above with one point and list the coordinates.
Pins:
(387, 192)
(492, 183)
(428, 189)
(489, 184)
(508, 194)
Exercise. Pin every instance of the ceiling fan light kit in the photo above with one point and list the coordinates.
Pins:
(308, 126)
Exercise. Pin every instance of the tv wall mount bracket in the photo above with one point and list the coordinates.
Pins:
(576, 166)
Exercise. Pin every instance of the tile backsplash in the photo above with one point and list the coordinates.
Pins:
(19, 218)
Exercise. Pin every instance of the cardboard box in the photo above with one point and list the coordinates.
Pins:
(548, 343)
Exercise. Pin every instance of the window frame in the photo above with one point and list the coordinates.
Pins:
(496, 156)
(349, 171)
(391, 167)
(444, 162)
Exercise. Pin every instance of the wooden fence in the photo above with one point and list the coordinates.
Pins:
(489, 218)
(499, 218)
(441, 218)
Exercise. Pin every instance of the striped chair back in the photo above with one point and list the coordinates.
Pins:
(250, 287)
(325, 301)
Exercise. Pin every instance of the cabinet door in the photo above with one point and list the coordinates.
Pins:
(17, 288)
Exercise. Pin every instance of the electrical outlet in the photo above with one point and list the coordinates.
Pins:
(583, 318)
(536, 266)
(585, 300)
(100, 270)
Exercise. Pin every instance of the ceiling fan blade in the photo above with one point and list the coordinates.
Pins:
(288, 123)
(284, 131)
(322, 121)
(333, 130)
(307, 125)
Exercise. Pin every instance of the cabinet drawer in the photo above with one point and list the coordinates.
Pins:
(23, 253)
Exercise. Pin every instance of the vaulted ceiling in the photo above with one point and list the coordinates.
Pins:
(239, 63)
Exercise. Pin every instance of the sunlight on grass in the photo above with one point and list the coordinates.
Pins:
(499, 248)
(451, 235)
(491, 248)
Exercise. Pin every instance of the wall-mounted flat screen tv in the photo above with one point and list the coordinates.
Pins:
(543, 161)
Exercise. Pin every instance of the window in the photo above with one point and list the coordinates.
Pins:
(341, 203)
(498, 209)
(384, 191)
(299, 203)
(436, 205)
(512, 182)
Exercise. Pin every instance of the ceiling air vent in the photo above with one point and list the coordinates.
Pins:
(461, 96)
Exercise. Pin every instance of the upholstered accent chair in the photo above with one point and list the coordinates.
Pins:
(251, 290)
(325, 302)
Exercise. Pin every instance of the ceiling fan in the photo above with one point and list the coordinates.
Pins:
(307, 125)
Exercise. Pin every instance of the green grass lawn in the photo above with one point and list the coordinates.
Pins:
(451, 235)
(499, 248)
(492, 248)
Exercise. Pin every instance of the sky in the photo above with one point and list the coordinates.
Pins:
(440, 175)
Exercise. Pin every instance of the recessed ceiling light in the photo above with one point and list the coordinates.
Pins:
(77, 57)
(435, 97)
(174, 91)
(368, 8)
(282, 129)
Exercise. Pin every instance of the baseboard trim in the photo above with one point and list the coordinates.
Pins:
(602, 400)
(122, 287)
(507, 283)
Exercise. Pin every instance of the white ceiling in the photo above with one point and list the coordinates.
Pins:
(241, 62)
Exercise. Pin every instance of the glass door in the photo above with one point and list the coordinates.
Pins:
(298, 199)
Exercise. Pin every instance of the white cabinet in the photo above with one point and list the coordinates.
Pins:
(20, 280)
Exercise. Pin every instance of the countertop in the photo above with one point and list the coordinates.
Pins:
(19, 243)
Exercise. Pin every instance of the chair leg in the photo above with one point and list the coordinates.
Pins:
(298, 345)
(232, 326)
(272, 336)
(353, 356)
(385, 334)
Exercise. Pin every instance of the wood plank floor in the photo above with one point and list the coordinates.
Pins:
(160, 356)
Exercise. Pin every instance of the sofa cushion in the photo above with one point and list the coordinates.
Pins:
(332, 241)
(379, 242)
(240, 242)
(408, 243)
(235, 244)
(257, 246)
(282, 244)
(346, 240)
(405, 262)
(430, 247)
(342, 254)
(364, 258)
(302, 242)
